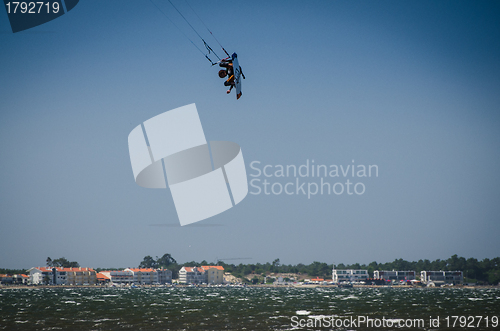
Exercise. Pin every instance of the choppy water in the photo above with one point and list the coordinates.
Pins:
(236, 308)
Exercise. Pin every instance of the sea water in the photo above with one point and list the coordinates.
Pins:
(251, 308)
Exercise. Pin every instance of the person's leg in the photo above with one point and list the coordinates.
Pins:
(230, 84)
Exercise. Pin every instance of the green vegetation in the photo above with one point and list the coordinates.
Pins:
(161, 262)
(106, 269)
(166, 262)
(61, 262)
(12, 271)
(315, 269)
(486, 271)
(482, 272)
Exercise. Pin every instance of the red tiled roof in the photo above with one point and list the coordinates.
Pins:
(101, 276)
(194, 269)
(142, 269)
(218, 267)
(64, 269)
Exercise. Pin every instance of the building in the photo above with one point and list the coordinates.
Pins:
(20, 279)
(80, 276)
(148, 276)
(192, 275)
(442, 277)
(204, 274)
(102, 278)
(143, 276)
(317, 280)
(119, 276)
(214, 274)
(5, 279)
(164, 276)
(46, 275)
(349, 275)
(279, 281)
(62, 276)
(394, 275)
(13, 279)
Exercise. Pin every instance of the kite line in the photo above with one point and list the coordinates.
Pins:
(207, 46)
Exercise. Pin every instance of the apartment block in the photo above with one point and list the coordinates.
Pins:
(119, 276)
(62, 276)
(349, 275)
(442, 277)
(139, 276)
(199, 275)
(214, 274)
(191, 275)
(394, 275)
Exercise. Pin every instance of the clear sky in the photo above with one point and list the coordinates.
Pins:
(411, 87)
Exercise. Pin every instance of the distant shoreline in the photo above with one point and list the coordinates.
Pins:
(248, 286)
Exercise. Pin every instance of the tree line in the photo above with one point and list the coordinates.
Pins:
(61, 262)
(486, 271)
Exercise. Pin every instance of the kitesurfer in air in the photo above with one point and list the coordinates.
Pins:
(228, 72)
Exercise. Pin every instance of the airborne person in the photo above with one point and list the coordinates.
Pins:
(229, 72)
(231, 65)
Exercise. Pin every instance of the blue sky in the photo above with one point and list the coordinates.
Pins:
(411, 87)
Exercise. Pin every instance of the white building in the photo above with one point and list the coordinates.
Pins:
(204, 274)
(442, 277)
(46, 275)
(62, 276)
(394, 275)
(119, 276)
(143, 276)
(20, 279)
(349, 275)
(192, 275)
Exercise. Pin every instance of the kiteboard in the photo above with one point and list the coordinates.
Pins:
(237, 77)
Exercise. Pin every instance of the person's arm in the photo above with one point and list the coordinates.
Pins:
(226, 64)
